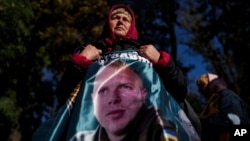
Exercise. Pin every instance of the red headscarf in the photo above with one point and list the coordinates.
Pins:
(108, 35)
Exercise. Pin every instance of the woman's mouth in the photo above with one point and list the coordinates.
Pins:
(119, 28)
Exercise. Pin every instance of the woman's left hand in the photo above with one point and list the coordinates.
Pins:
(150, 52)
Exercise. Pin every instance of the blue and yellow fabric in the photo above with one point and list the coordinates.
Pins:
(77, 118)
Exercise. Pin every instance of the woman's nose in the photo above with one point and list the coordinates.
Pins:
(120, 21)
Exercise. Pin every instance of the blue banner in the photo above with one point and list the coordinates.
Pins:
(76, 120)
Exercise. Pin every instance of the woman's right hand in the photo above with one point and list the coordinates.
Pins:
(91, 52)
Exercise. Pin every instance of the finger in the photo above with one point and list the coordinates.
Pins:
(98, 57)
(142, 53)
(100, 51)
(142, 49)
(91, 46)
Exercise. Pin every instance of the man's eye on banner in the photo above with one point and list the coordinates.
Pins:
(121, 92)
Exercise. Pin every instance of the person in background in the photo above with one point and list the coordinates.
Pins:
(224, 108)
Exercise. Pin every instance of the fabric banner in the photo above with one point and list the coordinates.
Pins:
(76, 120)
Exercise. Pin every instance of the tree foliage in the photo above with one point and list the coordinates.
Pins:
(219, 30)
(14, 18)
(39, 35)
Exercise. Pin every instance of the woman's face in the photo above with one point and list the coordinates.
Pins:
(120, 24)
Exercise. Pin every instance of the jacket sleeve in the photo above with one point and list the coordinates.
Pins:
(172, 77)
(74, 73)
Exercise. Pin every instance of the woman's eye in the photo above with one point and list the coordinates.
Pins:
(125, 19)
(114, 17)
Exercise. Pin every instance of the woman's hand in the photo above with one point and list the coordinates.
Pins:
(150, 52)
(91, 52)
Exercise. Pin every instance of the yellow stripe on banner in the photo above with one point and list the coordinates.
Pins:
(169, 135)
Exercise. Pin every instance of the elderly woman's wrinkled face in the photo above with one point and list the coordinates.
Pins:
(120, 24)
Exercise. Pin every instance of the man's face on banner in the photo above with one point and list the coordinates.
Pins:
(118, 96)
